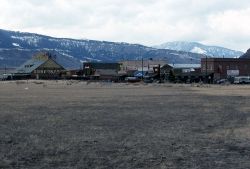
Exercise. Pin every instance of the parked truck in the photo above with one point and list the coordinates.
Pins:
(242, 80)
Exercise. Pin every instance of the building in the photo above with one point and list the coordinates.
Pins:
(222, 68)
(141, 68)
(76, 74)
(141, 65)
(187, 73)
(101, 71)
(185, 68)
(40, 66)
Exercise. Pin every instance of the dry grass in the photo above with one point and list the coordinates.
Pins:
(74, 124)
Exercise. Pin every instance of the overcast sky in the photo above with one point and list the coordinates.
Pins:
(150, 22)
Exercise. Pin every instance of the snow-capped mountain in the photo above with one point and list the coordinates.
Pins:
(246, 55)
(17, 47)
(213, 51)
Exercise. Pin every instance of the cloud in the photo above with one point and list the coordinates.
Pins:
(232, 27)
(150, 22)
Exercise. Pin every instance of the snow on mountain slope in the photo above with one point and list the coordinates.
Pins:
(17, 47)
(213, 51)
(198, 50)
(16, 44)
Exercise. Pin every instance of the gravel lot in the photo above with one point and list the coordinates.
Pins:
(70, 124)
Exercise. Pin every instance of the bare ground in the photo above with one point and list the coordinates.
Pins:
(49, 124)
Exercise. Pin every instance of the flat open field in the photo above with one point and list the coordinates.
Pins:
(64, 125)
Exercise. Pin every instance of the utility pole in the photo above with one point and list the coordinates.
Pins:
(159, 72)
(142, 68)
(206, 69)
(141, 63)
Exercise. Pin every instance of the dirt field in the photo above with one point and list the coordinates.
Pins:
(64, 125)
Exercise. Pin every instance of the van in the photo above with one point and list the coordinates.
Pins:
(242, 80)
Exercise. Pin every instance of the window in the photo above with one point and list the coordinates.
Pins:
(204, 67)
(211, 67)
(27, 66)
(219, 69)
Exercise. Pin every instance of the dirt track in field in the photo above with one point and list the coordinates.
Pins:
(49, 124)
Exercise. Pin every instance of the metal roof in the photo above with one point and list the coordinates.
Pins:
(185, 66)
(30, 66)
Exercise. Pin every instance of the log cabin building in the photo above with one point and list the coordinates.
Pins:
(40, 66)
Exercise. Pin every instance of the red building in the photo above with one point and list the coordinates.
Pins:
(222, 68)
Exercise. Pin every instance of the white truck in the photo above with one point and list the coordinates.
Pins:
(242, 80)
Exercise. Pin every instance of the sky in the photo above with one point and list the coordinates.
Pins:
(223, 23)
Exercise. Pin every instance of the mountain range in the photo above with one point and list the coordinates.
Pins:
(247, 54)
(17, 47)
(194, 47)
